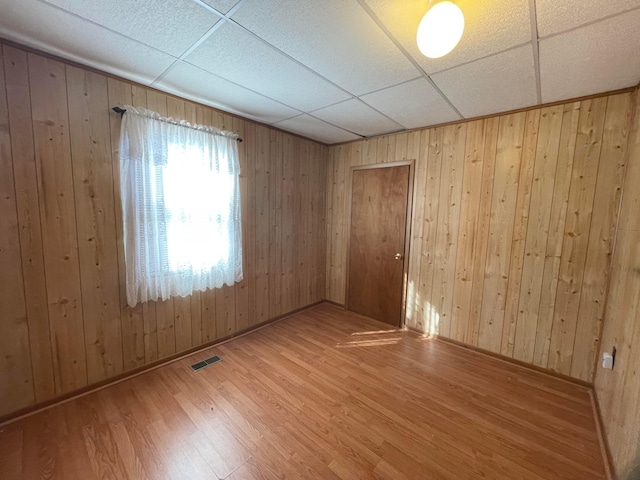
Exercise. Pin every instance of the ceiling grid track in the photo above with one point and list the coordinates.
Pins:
(201, 40)
(227, 18)
(99, 25)
(336, 126)
(206, 35)
(536, 48)
(176, 51)
(495, 54)
(375, 18)
(289, 57)
(593, 22)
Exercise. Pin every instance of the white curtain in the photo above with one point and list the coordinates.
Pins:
(180, 206)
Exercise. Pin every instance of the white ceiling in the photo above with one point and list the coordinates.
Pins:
(336, 70)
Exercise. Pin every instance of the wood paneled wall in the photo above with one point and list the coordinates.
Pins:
(64, 322)
(513, 224)
(618, 390)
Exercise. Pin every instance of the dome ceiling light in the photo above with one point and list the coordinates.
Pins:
(440, 29)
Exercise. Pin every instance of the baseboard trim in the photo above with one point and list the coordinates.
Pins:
(335, 304)
(504, 358)
(89, 389)
(602, 437)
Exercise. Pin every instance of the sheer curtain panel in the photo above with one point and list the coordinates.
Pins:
(180, 206)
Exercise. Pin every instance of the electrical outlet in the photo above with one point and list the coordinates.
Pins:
(613, 357)
(609, 359)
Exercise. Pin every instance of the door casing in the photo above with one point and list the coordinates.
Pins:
(407, 235)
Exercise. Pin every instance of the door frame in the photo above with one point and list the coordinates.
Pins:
(407, 234)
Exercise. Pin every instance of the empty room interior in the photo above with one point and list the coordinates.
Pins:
(337, 239)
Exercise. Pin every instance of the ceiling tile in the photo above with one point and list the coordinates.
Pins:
(196, 84)
(592, 59)
(315, 129)
(223, 6)
(233, 53)
(171, 26)
(413, 104)
(355, 116)
(336, 38)
(499, 83)
(490, 27)
(47, 28)
(554, 16)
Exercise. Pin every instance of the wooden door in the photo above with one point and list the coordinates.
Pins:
(379, 199)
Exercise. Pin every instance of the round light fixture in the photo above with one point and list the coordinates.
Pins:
(440, 29)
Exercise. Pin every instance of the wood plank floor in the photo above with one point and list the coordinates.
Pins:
(324, 394)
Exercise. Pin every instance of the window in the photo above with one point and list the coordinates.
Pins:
(180, 204)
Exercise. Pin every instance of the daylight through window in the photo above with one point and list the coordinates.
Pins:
(181, 209)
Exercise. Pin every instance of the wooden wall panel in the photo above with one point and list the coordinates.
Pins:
(618, 390)
(604, 223)
(287, 241)
(150, 331)
(482, 231)
(263, 224)
(576, 233)
(93, 186)
(511, 248)
(448, 220)
(316, 216)
(427, 316)
(469, 203)
(553, 251)
(48, 86)
(27, 202)
(420, 151)
(501, 225)
(248, 223)
(275, 222)
(523, 202)
(537, 232)
(304, 260)
(14, 332)
(65, 322)
(336, 244)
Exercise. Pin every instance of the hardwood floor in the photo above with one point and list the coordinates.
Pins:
(324, 394)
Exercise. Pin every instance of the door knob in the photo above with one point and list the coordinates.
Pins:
(398, 256)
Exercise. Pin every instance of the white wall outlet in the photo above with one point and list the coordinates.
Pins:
(607, 360)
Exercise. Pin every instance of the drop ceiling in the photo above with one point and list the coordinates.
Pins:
(339, 70)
